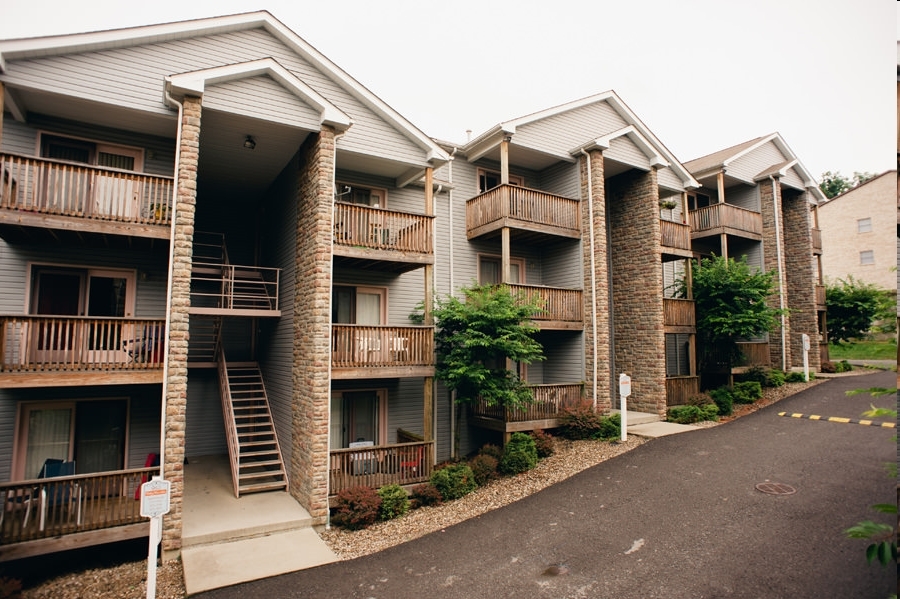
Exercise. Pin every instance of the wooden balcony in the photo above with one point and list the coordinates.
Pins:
(367, 237)
(380, 351)
(527, 211)
(716, 219)
(376, 466)
(563, 308)
(70, 196)
(820, 298)
(755, 354)
(679, 389)
(675, 238)
(549, 401)
(816, 240)
(234, 290)
(53, 351)
(679, 315)
(46, 515)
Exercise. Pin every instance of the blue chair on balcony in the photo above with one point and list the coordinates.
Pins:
(62, 494)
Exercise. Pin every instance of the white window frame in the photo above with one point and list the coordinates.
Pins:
(867, 257)
(382, 426)
(129, 274)
(99, 146)
(344, 189)
(520, 262)
(483, 172)
(864, 225)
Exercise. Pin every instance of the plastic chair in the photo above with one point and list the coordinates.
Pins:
(55, 494)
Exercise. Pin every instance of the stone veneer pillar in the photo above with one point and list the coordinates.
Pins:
(312, 326)
(770, 205)
(639, 332)
(600, 286)
(801, 280)
(176, 389)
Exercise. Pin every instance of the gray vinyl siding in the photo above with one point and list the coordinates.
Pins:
(667, 179)
(562, 265)
(748, 166)
(561, 133)
(744, 196)
(204, 433)
(262, 97)
(748, 248)
(133, 78)
(562, 179)
(564, 364)
(792, 179)
(677, 354)
(144, 434)
(8, 409)
(18, 138)
(673, 274)
(622, 149)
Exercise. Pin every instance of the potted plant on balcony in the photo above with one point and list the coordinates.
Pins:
(668, 204)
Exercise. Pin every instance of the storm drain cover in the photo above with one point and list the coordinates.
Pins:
(776, 488)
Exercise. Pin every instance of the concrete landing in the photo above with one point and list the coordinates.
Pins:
(651, 425)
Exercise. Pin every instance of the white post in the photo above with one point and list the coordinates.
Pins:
(155, 537)
(624, 392)
(806, 357)
(155, 502)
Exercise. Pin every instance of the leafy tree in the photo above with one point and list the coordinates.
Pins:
(474, 339)
(834, 183)
(852, 307)
(730, 300)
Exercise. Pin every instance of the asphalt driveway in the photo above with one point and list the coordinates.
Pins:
(680, 516)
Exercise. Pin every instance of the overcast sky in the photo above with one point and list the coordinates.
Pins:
(701, 74)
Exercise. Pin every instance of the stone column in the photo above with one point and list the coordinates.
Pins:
(176, 383)
(640, 343)
(771, 207)
(800, 275)
(310, 402)
(596, 296)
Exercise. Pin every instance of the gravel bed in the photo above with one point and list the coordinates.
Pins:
(127, 580)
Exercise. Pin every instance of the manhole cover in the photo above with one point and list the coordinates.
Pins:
(776, 488)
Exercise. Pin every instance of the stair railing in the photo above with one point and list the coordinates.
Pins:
(228, 416)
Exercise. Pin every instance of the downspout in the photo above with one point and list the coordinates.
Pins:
(434, 382)
(168, 325)
(450, 292)
(590, 186)
(780, 273)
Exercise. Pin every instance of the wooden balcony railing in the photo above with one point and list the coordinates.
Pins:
(62, 188)
(816, 240)
(38, 343)
(674, 235)
(563, 305)
(376, 466)
(375, 228)
(726, 216)
(755, 353)
(522, 208)
(234, 288)
(678, 312)
(378, 346)
(549, 401)
(679, 389)
(51, 507)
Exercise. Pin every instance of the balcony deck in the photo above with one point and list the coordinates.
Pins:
(381, 351)
(40, 193)
(527, 211)
(53, 351)
(234, 290)
(679, 315)
(543, 413)
(720, 218)
(675, 238)
(366, 237)
(563, 308)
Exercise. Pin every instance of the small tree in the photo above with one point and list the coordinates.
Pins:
(852, 307)
(730, 300)
(834, 183)
(475, 338)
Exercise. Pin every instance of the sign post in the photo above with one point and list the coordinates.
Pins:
(624, 392)
(155, 497)
(806, 357)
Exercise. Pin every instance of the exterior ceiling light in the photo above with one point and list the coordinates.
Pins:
(249, 143)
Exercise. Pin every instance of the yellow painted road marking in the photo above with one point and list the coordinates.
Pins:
(840, 419)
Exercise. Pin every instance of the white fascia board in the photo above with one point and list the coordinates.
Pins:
(487, 141)
(195, 82)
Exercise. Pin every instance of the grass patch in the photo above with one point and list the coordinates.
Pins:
(863, 350)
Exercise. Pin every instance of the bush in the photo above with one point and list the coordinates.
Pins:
(425, 494)
(543, 442)
(610, 427)
(580, 422)
(394, 502)
(701, 399)
(689, 414)
(828, 367)
(775, 378)
(724, 400)
(484, 467)
(796, 377)
(843, 366)
(756, 373)
(519, 455)
(356, 508)
(454, 481)
(495, 451)
(747, 391)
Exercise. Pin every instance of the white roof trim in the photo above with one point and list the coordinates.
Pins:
(634, 135)
(808, 180)
(195, 82)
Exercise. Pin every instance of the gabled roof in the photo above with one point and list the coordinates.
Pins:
(133, 36)
(717, 160)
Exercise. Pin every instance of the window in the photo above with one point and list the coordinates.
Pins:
(92, 433)
(362, 196)
(489, 270)
(358, 305)
(488, 180)
(864, 225)
(678, 351)
(697, 200)
(358, 416)
(90, 152)
(867, 257)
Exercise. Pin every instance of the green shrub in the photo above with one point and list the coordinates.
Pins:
(828, 367)
(580, 422)
(724, 400)
(701, 399)
(610, 427)
(796, 377)
(484, 467)
(756, 373)
(425, 494)
(495, 451)
(394, 502)
(747, 391)
(543, 442)
(519, 455)
(454, 481)
(843, 366)
(356, 508)
(689, 414)
(775, 378)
